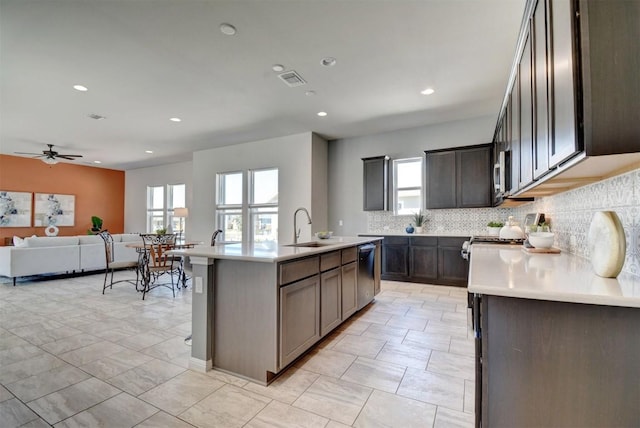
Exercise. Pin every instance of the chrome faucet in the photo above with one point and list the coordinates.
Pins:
(214, 236)
(296, 231)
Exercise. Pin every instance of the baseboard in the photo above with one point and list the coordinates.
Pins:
(199, 365)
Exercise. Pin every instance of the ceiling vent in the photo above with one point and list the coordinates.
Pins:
(292, 79)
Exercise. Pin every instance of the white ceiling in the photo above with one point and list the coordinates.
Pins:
(145, 61)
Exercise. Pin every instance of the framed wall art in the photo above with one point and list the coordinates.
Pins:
(15, 209)
(54, 210)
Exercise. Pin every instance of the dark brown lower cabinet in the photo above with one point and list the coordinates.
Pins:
(395, 258)
(558, 364)
(452, 268)
(424, 259)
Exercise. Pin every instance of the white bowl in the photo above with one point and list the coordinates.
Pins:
(541, 239)
(324, 235)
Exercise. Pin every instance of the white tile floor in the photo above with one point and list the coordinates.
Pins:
(71, 357)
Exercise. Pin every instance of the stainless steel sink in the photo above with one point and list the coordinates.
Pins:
(307, 244)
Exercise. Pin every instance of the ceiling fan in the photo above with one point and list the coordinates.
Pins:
(51, 156)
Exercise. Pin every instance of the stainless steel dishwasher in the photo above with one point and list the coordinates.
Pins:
(366, 281)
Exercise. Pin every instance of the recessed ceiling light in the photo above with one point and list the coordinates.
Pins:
(328, 61)
(277, 68)
(310, 93)
(322, 113)
(96, 116)
(228, 29)
(97, 161)
(175, 119)
(428, 91)
(80, 88)
(148, 151)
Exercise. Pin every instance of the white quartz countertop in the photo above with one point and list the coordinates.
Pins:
(272, 252)
(506, 270)
(443, 234)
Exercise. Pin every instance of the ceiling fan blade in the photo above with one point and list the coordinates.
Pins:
(68, 157)
(27, 153)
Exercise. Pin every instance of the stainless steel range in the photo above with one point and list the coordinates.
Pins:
(487, 239)
(530, 219)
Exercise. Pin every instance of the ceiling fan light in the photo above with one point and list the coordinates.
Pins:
(50, 161)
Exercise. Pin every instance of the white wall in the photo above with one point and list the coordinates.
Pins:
(345, 164)
(292, 155)
(320, 184)
(135, 198)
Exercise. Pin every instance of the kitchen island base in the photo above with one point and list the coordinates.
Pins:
(253, 317)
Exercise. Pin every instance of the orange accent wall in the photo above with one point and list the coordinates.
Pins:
(98, 191)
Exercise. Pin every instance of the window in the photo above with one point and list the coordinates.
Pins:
(230, 196)
(248, 198)
(161, 201)
(407, 185)
(263, 205)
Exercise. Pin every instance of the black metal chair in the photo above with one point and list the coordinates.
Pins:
(156, 262)
(112, 265)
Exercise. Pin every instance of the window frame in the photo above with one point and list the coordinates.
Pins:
(248, 209)
(167, 209)
(395, 187)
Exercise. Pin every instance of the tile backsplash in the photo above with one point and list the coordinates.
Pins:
(471, 221)
(570, 214)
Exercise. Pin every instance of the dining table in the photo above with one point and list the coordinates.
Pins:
(143, 263)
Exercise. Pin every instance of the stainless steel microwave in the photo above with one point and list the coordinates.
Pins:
(502, 175)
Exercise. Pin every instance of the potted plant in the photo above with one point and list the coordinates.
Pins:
(493, 228)
(419, 219)
(161, 231)
(96, 224)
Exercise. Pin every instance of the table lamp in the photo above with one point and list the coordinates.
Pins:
(182, 213)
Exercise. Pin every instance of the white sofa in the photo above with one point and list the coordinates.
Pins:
(60, 254)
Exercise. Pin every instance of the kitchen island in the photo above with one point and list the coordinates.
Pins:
(257, 307)
(556, 345)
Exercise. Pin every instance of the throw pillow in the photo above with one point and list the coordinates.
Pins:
(19, 242)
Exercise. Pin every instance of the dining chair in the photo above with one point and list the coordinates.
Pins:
(112, 265)
(158, 263)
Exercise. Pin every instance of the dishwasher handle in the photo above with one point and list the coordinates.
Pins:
(365, 250)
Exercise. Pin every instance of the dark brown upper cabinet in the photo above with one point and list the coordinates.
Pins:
(563, 142)
(573, 95)
(441, 190)
(514, 134)
(526, 115)
(376, 183)
(540, 90)
(459, 178)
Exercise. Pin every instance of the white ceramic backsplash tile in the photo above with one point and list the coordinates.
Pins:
(570, 214)
(471, 221)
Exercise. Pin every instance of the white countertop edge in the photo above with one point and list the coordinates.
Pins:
(506, 270)
(417, 235)
(557, 297)
(248, 252)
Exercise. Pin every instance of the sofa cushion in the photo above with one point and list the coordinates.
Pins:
(19, 242)
(128, 237)
(90, 239)
(51, 241)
